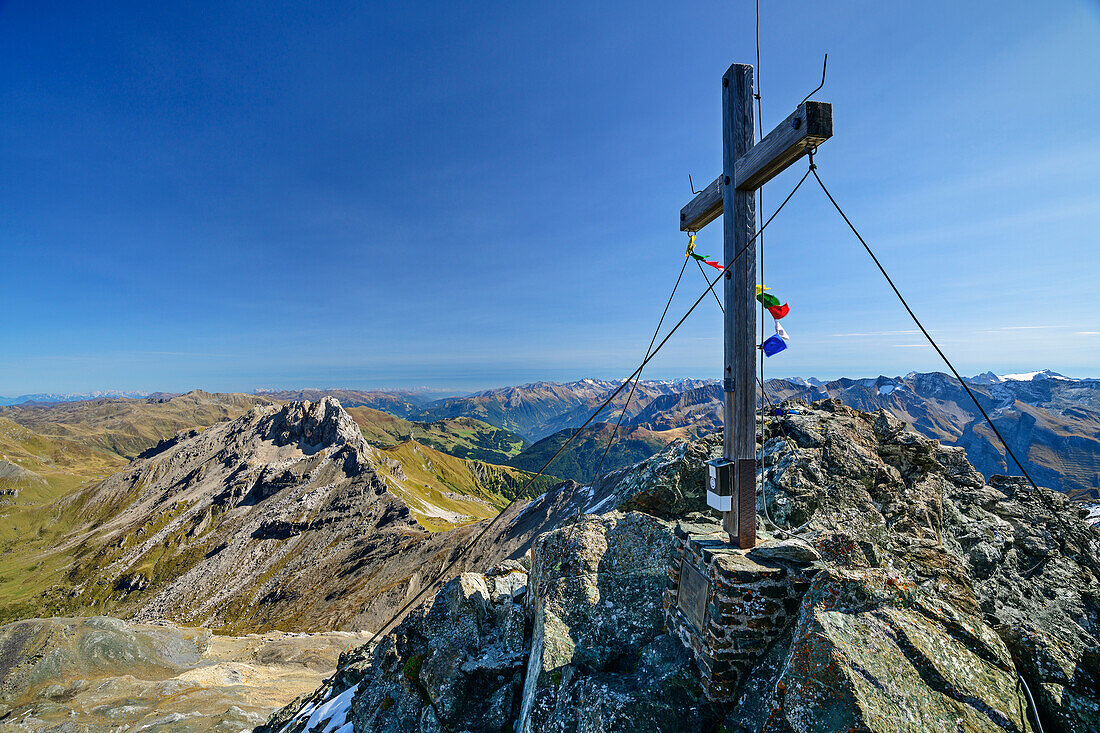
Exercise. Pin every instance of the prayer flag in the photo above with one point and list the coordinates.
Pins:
(701, 258)
(760, 289)
(774, 345)
(691, 245)
(778, 311)
(715, 265)
(780, 332)
(768, 299)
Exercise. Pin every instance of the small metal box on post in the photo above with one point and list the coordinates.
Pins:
(720, 484)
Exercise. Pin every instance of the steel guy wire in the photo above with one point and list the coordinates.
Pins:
(465, 548)
(626, 405)
(927, 335)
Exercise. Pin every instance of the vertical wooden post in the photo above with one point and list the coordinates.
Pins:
(739, 227)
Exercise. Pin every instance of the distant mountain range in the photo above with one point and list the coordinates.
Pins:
(140, 504)
(67, 397)
(540, 409)
(1052, 422)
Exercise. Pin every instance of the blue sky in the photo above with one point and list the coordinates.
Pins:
(233, 195)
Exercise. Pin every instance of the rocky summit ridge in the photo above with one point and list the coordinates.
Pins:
(915, 596)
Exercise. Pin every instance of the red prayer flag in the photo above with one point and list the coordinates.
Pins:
(778, 311)
(715, 265)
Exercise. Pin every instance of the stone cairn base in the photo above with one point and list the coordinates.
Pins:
(753, 596)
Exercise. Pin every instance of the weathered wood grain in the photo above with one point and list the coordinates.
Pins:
(809, 125)
(739, 226)
(703, 209)
(746, 502)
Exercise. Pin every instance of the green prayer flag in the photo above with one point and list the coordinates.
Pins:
(768, 300)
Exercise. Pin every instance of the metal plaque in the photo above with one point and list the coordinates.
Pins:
(691, 598)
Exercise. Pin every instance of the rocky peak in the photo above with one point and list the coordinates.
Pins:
(313, 425)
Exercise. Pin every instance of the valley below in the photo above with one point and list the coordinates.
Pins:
(102, 673)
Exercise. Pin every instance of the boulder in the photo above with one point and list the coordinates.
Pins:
(670, 484)
(1021, 558)
(454, 665)
(1035, 564)
(600, 657)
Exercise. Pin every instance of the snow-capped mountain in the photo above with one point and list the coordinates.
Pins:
(69, 396)
(991, 378)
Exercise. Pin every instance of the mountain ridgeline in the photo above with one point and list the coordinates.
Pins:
(1052, 423)
(274, 520)
(934, 588)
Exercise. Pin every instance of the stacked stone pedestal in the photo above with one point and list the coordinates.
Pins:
(753, 596)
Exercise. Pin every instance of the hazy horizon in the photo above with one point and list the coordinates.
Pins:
(456, 390)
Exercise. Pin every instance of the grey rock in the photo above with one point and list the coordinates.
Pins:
(600, 658)
(793, 550)
(453, 666)
(872, 652)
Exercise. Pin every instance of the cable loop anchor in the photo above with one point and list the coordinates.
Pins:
(810, 150)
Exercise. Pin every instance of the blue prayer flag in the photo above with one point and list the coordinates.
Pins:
(773, 346)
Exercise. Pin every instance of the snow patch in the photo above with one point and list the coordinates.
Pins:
(1031, 376)
(537, 500)
(599, 504)
(333, 711)
(1094, 514)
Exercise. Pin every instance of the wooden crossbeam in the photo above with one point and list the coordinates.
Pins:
(809, 125)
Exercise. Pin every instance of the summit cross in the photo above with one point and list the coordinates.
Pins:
(745, 168)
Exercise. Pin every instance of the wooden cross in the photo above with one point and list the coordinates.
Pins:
(745, 168)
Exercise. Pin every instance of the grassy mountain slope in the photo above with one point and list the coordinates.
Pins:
(443, 491)
(227, 521)
(39, 469)
(463, 437)
(126, 427)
